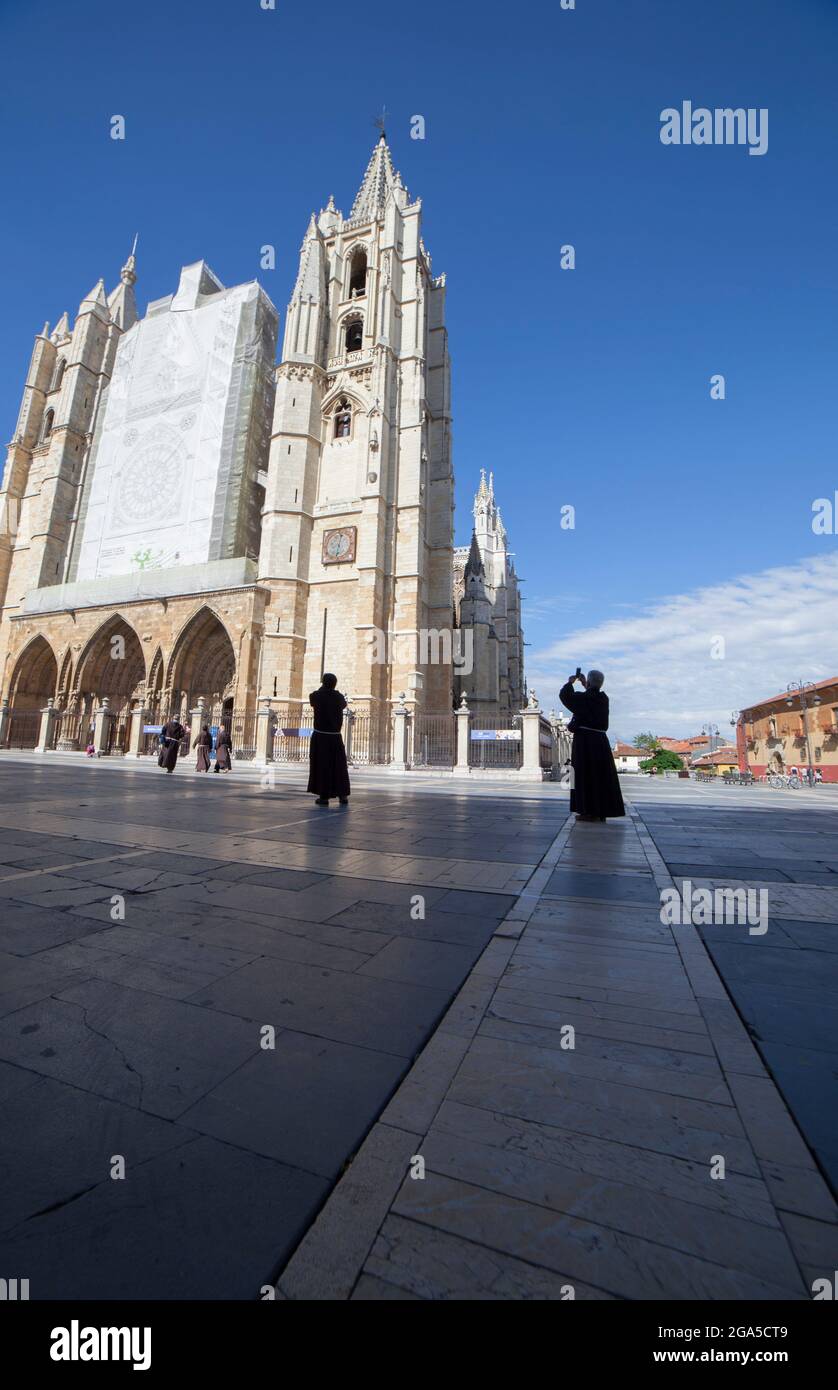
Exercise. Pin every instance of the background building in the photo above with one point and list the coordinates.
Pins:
(771, 735)
(487, 607)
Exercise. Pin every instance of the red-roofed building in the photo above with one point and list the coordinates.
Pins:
(723, 760)
(771, 736)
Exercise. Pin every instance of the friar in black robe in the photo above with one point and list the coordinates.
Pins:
(595, 788)
(328, 774)
(172, 734)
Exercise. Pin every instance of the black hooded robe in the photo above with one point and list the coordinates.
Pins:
(172, 735)
(595, 790)
(328, 774)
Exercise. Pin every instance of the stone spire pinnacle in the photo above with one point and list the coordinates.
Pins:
(311, 283)
(128, 274)
(379, 182)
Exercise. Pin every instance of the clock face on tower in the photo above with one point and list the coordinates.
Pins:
(339, 545)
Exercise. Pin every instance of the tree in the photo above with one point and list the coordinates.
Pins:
(663, 761)
(646, 741)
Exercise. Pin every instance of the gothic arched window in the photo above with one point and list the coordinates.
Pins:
(49, 420)
(58, 374)
(358, 274)
(343, 419)
(354, 336)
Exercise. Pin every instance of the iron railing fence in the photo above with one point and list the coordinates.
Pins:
(372, 739)
(292, 733)
(546, 741)
(432, 740)
(23, 728)
(119, 732)
(241, 726)
(495, 740)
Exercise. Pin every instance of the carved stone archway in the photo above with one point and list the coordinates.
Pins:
(35, 676)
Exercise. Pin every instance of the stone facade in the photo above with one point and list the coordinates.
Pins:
(488, 613)
(307, 522)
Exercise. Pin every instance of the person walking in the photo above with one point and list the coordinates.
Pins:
(595, 788)
(328, 775)
(171, 737)
(223, 750)
(203, 743)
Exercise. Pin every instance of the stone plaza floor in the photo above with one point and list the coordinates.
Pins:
(419, 959)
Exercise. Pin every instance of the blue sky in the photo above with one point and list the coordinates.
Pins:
(588, 387)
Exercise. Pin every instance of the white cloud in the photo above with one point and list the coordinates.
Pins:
(777, 626)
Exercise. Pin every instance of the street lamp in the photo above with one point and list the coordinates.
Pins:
(735, 717)
(712, 731)
(799, 688)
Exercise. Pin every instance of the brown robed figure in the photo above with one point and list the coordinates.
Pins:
(223, 745)
(203, 743)
(172, 734)
(328, 774)
(595, 790)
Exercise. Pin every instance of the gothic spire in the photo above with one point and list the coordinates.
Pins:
(474, 563)
(121, 301)
(311, 279)
(379, 182)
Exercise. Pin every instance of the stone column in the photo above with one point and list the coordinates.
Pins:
(101, 727)
(48, 718)
(136, 735)
(399, 760)
(4, 721)
(196, 720)
(265, 726)
(349, 726)
(530, 730)
(463, 718)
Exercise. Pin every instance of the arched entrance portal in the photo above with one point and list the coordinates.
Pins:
(112, 667)
(203, 664)
(33, 682)
(35, 677)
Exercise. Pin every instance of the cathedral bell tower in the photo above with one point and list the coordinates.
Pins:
(357, 526)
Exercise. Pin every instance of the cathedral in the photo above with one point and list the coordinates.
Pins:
(185, 521)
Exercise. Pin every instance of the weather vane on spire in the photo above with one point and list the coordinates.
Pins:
(380, 122)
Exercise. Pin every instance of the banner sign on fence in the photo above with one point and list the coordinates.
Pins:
(478, 735)
(296, 733)
(152, 728)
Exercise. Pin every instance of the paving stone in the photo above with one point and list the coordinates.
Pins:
(204, 1221)
(156, 1054)
(307, 1102)
(433, 963)
(683, 1225)
(330, 1004)
(427, 1263)
(672, 1176)
(621, 1264)
(59, 1142)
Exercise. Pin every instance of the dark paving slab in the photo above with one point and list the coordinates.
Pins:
(207, 1221)
(307, 1102)
(329, 1004)
(616, 887)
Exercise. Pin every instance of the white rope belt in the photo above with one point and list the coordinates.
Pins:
(332, 733)
(589, 730)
